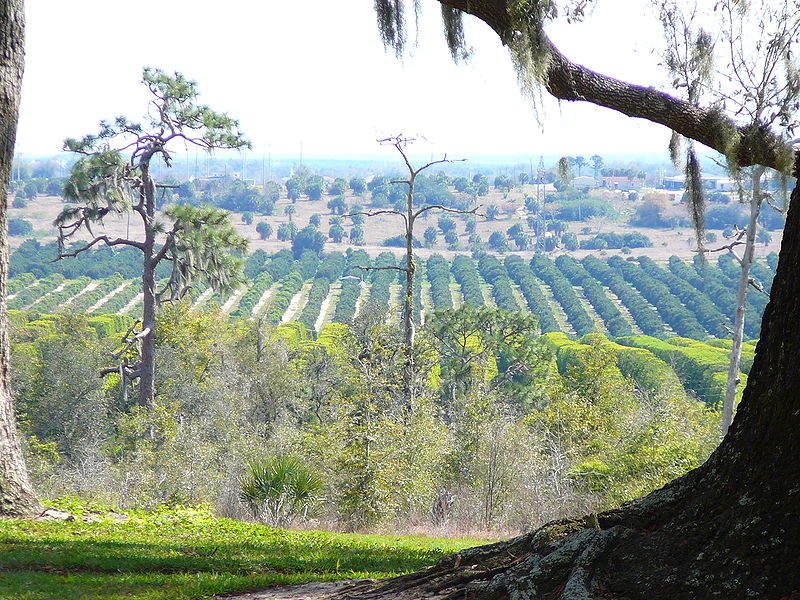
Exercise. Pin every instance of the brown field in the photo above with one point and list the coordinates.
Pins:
(666, 242)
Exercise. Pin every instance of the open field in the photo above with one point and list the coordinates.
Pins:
(188, 554)
(666, 242)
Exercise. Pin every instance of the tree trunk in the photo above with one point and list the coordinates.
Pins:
(729, 529)
(408, 300)
(16, 493)
(147, 367)
(741, 301)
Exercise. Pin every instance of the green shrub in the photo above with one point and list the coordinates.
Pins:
(279, 490)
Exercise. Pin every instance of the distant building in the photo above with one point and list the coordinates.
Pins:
(585, 181)
(715, 184)
(625, 184)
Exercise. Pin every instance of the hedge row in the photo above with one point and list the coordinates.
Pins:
(571, 354)
(651, 374)
(316, 296)
(438, 273)
(677, 316)
(564, 294)
(122, 298)
(616, 324)
(730, 271)
(32, 293)
(351, 286)
(642, 313)
(748, 353)
(723, 297)
(348, 298)
(253, 294)
(20, 282)
(108, 325)
(381, 280)
(466, 274)
(706, 313)
(493, 272)
(55, 300)
(330, 270)
(530, 286)
(279, 303)
(88, 299)
(701, 368)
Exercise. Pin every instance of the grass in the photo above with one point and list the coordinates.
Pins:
(189, 554)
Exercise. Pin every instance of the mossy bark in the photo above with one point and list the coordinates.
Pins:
(16, 493)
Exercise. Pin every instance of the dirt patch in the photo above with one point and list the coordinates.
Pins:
(319, 590)
(666, 242)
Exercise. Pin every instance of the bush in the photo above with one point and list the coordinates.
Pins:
(279, 490)
(19, 227)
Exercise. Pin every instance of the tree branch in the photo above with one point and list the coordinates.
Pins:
(102, 238)
(403, 269)
(570, 81)
(472, 211)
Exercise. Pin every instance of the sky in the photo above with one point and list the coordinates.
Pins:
(312, 76)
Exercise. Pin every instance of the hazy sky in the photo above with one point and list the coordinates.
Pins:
(314, 72)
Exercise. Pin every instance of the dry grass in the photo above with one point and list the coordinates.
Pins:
(666, 242)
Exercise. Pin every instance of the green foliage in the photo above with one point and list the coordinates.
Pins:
(616, 241)
(279, 490)
(646, 318)
(675, 314)
(581, 209)
(701, 368)
(578, 276)
(282, 297)
(617, 444)
(253, 294)
(438, 273)
(564, 294)
(530, 287)
(466, 274)
(19, 227)
(188, 553)
(308, 238)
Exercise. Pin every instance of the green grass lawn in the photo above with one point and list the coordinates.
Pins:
(187, 554)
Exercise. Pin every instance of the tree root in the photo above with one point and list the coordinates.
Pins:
(556, 561)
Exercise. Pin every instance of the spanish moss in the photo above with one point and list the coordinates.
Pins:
(675, 149)
(696, 202)
(453, 20)
(391, 24)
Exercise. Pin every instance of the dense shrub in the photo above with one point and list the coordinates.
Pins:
(578, 276)
(674, 313)
(530, 286)
(493, 272)
(645, 317)
(466, 274)
(438, 274)
(564, 294)
(616, 241)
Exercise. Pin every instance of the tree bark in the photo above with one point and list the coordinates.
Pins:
(408, 299)
(17, 497)
(729, 529)
(147, 366)
(741, 300)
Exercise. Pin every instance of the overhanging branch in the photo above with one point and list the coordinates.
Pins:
(570, 81)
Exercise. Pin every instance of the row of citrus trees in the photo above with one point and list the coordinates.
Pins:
(617, 297)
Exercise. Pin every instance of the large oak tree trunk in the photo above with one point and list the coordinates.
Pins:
(16, 493)
(729, 529)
